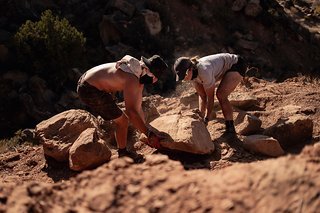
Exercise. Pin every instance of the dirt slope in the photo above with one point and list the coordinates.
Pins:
(231, 179)
(161, 185)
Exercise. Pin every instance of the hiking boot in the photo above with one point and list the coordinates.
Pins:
(230, 130)
(229, 133)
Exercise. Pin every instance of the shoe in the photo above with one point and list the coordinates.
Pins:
(230, 130)
(230, 134)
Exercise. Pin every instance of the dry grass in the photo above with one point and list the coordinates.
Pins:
(11, 143)
(317, 10)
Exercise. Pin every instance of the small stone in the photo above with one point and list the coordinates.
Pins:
(227, 204)
(35, 189)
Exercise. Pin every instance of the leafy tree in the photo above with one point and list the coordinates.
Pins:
(49, 47)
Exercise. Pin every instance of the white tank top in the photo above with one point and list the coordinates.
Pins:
(211, 68)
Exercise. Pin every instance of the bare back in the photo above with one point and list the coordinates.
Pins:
(107, 78)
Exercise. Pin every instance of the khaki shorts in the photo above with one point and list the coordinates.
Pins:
(99, 102)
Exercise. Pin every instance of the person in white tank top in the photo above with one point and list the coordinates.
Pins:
(205, 72)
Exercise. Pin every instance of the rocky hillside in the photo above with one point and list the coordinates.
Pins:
(280, 38)
(271, 165)
(237, 176)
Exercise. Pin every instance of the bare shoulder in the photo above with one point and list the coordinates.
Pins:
(108, 67)
(131, 81)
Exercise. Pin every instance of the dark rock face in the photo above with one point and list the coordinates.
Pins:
(266, 33)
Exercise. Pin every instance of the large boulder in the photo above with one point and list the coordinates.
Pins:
(58, 133)
(186, 133)
(263, 144)
(153, 21)
(248, 125)
(291, 131)
(88, 151)
(243, 101)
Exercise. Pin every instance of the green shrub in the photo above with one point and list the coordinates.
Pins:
(49, 47)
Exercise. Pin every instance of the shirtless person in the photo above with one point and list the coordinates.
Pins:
(205, 72)
(128, 75)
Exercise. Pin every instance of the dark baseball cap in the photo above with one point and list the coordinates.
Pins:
(181, 66)
(155, 64)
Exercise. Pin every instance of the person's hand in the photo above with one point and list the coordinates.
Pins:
(198, 112)
(153, 139)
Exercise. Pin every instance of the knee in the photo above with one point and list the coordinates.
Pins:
(122, 121)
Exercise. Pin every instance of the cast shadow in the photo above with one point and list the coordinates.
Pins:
(239, 153)
(189, 161)
(58, 170)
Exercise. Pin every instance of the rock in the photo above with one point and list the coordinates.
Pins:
(118, 50)
(31, 109)
(124, 6)
(109, 33)
(291, 131)
(190, 101)
(67, 100)
(185, 133)
(153, 21)
(242, 100)
(246, 44)
(36, 189)
(41, 95)
(17, 77)
(101, 199)
(239, 5)
(58, 133)
(149, 107)
(264, 145)
(253, 8)
(288, 4)
(249, 125)
(28, 135)
(88, 151)
(11, 158)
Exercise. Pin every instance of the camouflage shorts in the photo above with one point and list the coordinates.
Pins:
(99, 102)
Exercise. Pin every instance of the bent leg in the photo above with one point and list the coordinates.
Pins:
(121, 131)
(228, 83)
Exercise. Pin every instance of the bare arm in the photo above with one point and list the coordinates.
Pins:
(133, 99)
(202, 98)
(210, 102)
(141, 113)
